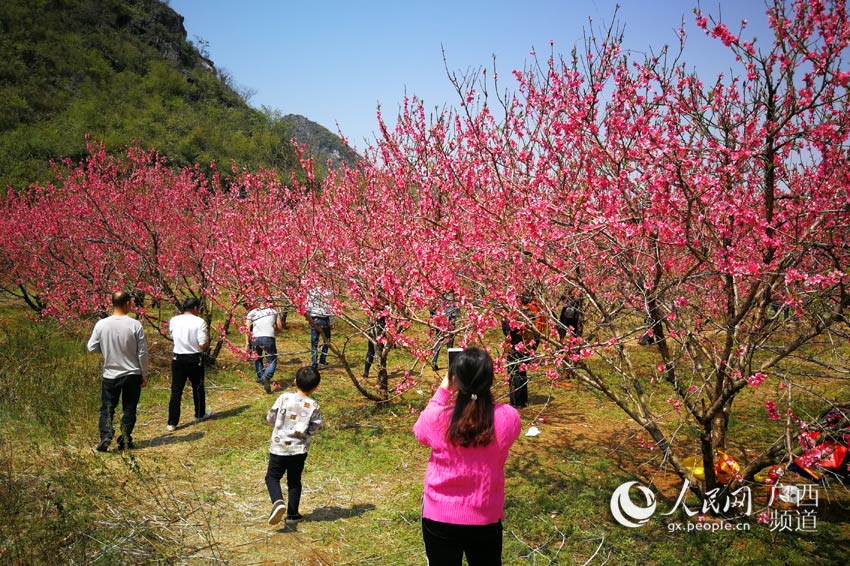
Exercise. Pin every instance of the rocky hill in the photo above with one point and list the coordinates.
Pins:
(324, 144)
(122, 72)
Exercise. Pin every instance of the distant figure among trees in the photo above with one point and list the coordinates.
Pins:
(521, 340)
(449, 309)
(320, 318)
(570, 318)
(262, 323)
(377, 331)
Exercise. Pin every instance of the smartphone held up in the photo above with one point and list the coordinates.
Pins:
(453, 352)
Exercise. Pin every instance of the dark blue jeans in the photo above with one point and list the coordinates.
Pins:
(293, 467)
(321, 325)
(446, 543)
(127, 389)
(370, 357)
(265, 348)
(183, 367)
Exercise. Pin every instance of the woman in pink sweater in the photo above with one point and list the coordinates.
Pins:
(469, 436)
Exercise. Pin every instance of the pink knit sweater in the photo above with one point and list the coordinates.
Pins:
(464, 486)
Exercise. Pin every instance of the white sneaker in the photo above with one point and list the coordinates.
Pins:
(207, 415)
(170, 428)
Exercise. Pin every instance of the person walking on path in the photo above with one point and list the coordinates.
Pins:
(121, 340)
(295, 418)
(263, 324)
(189, 332)
(320, 318)
(463, 502)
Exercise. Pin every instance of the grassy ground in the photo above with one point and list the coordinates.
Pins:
(197, 495)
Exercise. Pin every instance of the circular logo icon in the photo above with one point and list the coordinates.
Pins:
(626, 512)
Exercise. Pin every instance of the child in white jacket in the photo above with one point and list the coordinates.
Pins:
(295, 418)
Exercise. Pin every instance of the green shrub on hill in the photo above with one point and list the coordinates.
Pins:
(123, 71)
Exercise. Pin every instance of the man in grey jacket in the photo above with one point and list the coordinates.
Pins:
(121, 340)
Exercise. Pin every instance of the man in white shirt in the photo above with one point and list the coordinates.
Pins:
(262, 324)
(189, 332)
(121, 340)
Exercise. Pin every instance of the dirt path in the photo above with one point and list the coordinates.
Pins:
(211, 473)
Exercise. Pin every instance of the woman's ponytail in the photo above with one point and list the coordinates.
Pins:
(472, 419)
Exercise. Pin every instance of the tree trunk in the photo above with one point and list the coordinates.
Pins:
(217, 349)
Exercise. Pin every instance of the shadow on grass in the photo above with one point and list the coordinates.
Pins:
(538, 399)
(231, 412)
(178, 436)
(293, 361)
(167, 439)
(334, 512)
(359, 427)
(331, 513)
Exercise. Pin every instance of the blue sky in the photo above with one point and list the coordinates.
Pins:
(335, 61)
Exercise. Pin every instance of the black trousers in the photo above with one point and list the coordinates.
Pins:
(127, 389)
(292, 466)
(446, 543)
(518, 379)
(183, 367)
